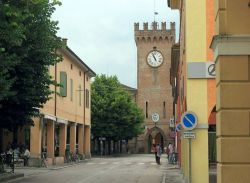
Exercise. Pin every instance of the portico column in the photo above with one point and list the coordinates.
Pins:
(87, 141)
(73, 137)
(35, 139)
(50, 139)
(232, 56)
(80, 139)
(63, 137)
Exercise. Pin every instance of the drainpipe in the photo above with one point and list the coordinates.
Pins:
(55, 88)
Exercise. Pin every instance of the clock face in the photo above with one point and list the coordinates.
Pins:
(155, 58)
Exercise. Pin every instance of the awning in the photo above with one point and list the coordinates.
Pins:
(51, 117)
(63, 121)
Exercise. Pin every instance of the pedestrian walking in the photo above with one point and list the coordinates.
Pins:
(170, 153)
(158, 155)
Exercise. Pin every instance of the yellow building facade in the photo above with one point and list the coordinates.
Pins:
(64, 126)
(195, 85)
(231, 47)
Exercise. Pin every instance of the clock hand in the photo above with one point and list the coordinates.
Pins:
(154, 57)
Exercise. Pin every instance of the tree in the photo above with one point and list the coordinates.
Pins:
(114, 114)
(28, 45)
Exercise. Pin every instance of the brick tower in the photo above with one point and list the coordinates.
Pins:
(154, 94)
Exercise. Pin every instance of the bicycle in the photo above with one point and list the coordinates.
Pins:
(74, 157)
(44, 160)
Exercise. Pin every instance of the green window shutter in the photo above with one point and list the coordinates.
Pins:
(63, 82)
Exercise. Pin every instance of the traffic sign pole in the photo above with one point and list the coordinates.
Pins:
(190, 160)
(189, 121)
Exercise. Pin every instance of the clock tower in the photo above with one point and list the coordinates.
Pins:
(154, 92)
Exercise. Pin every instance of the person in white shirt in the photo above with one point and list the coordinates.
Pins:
(26, 157)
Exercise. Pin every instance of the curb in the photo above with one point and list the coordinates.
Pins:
(11, 176)
(164, 178)
(66, 166)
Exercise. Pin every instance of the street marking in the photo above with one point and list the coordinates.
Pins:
(153, 163)
(90, 163)
(141, 163)
(103, 163)
(128, 163)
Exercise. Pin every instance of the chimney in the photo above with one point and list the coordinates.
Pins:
(65, 40)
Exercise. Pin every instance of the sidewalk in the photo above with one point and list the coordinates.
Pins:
(172, 174)
(21, 171)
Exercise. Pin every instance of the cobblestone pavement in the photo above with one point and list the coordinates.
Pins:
(129, 169)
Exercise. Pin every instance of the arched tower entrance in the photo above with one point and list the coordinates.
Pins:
(154, 136)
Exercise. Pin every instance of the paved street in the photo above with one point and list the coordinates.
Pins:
(131, 169)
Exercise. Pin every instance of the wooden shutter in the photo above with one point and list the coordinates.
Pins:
(63, 82)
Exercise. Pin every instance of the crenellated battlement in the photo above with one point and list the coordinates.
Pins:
(154, 26)
(154, 32)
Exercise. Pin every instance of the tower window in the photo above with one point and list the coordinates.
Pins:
(146, 109)
(71, 66)
(164, 109)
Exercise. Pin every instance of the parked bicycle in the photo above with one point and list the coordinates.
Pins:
(44, 159)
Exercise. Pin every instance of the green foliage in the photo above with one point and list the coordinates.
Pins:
(28, 43)
(114, 114)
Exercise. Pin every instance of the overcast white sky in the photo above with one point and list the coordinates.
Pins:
(101, 32)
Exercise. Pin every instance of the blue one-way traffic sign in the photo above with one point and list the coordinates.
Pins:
(189, 120)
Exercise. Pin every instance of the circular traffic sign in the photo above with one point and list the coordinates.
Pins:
(179, 127)
(189, 120)
(155, 117)
(211, 70)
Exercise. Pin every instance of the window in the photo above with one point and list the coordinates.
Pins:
(63, 82)
(87, 98)
(80, 73)
(87, 78)
(146, 109)
(71, 89)
(164, 109)
(71, 66)
(80, 95)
